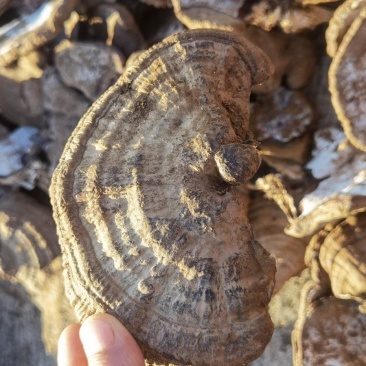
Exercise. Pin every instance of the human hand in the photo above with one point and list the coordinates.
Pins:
(100, 341)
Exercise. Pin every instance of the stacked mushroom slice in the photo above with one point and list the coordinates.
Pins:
(328, 330)
(347, 74)
(30, 281)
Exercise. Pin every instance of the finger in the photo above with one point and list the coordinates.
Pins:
(70, 350)
(107, 342)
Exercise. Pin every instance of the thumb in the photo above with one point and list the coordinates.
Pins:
(107, 342)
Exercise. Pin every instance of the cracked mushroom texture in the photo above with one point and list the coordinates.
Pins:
(151, 231)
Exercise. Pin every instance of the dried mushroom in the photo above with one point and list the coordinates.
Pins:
(63, 107)
(282, 115)
(151, 231)
(269, 222)
(342, 189)
(33, 28)
(334, 199)
(343, 257)
(273, 187)
(209, 14)
(318, 274)
(160, 26)
(329, 331)
(340, 22)
(301, 57)
(49, 289)
(115, 25)
(21, 97)
(288, 158)
(330, 152)
(279, 349)
(228, 7)
(60, 99)
(28, 248)
(19, 161)
(83, 71)
(133, 59)
(20, 328)
(88, 67)
(318, 93)
(347, 81)
(293, 58)
(283, 309)
(273, 44)
(290, 15)
(27, 235)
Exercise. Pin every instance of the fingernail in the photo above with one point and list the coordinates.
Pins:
(96, 336)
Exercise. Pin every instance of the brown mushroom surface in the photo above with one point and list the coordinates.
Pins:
(151, 232)
(90, 67)
(293, 58)
(268, 223)
(329, 330)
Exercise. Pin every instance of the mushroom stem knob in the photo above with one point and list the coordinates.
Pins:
(237, 163)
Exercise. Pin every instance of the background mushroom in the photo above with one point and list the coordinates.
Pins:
(328, 328)
(32, 291)
(33, 28)
(347, 79)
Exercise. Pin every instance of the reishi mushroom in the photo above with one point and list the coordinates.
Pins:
(150, 229)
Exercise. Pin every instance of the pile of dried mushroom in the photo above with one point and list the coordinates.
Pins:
(205, 146)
